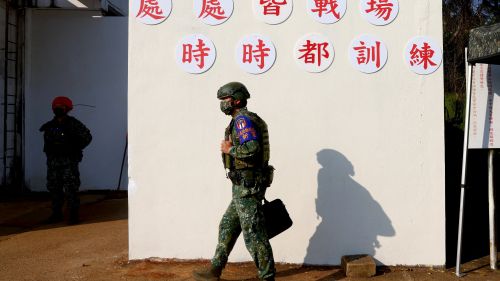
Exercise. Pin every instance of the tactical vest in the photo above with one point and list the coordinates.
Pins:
(261, 158)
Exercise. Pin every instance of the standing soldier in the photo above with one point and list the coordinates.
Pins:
(64, 139)
(245, 151)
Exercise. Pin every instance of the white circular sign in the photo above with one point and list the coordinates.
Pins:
(423, 55)
(314, 52)
(151, 11)
(326, 11)
(379, 12)
(213, 12)
(367, 53)
(272, 11)
(255, 53)
(195, 53)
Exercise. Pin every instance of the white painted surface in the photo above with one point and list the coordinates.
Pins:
(359, 158)
(74, 54)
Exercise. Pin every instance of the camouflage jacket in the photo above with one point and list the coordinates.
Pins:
(250, 138)
(65, 139)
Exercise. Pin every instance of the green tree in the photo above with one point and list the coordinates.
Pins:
(459, 17)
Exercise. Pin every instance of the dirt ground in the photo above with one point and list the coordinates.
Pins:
(97, 249)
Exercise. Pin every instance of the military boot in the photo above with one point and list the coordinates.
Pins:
(269, 279)
(207, 274)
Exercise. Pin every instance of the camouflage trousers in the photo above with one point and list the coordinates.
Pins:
(63, 180)
(245, 214)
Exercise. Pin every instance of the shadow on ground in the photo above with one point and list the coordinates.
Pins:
(27, 211)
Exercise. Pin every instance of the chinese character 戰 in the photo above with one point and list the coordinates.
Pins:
(326, 7)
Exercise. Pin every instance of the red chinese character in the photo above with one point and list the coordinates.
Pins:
(313, 52)
(382, 7)
(213, 9)
(259, 53)
(199, 54)
(323, 5)
(272, 7)
(424, 55)
(150, 8)
(368, 54)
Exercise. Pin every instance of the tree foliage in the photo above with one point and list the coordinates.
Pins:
(459, 17)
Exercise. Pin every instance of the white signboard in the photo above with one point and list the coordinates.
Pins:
(484, 119)
(151, 11)
(379, 12)
(255, 53)
(326, 11)
(367, 54)
(423, 55)
(272, 11)
(195, 53)
(213, 12)
(314, 52)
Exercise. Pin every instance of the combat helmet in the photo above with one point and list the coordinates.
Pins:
(236, 90)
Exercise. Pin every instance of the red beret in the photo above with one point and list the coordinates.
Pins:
(65, 101)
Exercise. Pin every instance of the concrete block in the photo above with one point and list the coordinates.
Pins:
(358, 266)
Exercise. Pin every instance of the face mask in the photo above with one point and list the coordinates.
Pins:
(59, 112)
(226, 107)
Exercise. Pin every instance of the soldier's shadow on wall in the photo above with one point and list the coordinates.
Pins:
(350, 218)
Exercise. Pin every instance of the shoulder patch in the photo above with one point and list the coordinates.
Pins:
(245, 129)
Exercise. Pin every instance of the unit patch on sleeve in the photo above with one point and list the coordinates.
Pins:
(245, 129)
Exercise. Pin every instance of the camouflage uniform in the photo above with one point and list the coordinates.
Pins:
(249, 154)
(63, 144)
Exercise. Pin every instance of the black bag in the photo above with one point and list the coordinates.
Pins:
(276, 216)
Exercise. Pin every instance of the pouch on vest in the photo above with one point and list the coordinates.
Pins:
(267, 176)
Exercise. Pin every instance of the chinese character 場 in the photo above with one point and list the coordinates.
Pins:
(381, 7)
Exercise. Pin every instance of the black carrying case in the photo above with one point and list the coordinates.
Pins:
(276, 217)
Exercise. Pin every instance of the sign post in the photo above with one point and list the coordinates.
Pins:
(468, 71)
(481, 132)
(491, 202)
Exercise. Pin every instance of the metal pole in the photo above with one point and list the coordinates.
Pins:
(123, 162)
(468, 71)
(5, 93)
(491, 202)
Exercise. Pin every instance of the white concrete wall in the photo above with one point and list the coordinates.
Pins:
(359, 158)
(75, 54)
